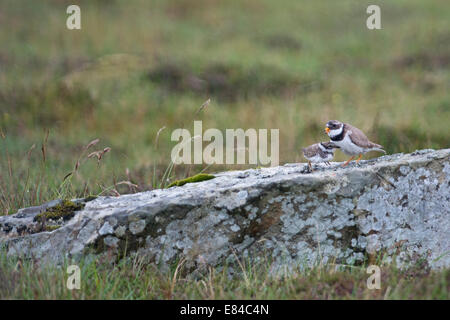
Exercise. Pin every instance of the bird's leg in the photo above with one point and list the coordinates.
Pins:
(359, 158)
(310, 166)
(327, 163)
(346, 163)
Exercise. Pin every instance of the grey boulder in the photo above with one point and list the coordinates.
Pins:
(396, 206)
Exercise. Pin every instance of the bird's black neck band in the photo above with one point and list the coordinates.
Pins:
(340, 136)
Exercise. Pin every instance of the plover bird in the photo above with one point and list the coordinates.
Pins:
(351, 140)
(319, 152)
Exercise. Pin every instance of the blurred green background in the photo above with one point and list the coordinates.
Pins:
(138, 66)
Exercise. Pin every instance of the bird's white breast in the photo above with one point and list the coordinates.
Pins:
(347, 146)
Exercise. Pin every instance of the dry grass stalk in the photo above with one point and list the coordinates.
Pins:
(99, 154)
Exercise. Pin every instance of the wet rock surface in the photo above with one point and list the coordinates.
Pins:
(396, 205)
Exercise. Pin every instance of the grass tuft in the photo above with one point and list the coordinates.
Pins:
(133, 278)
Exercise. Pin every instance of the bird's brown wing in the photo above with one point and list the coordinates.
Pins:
(358, 137)
(310, 151)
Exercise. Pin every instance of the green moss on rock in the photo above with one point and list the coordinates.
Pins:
(52, 228)
(90, 198)
(197, 178)
(65, 210)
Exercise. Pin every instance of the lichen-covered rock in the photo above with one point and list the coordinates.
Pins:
(397, 205)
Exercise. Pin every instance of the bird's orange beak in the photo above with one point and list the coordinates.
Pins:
(327, 129)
